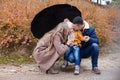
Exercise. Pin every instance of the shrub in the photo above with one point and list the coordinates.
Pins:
(14, 37)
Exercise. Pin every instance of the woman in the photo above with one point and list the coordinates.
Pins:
(51, 46)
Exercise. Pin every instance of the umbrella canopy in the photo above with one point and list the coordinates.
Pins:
(49, 17)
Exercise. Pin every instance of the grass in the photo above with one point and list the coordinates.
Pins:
(16, 59)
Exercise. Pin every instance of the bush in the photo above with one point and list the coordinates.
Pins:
(14, 38)
(116, 3)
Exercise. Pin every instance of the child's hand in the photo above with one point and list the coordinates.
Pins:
(69, 42)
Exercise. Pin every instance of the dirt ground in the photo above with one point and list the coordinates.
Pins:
(108, 64)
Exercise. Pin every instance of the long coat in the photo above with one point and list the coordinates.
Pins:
(46, 57)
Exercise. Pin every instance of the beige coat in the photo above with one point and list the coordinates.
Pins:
(45, 56)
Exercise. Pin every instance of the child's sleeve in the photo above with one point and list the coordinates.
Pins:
(81, 37)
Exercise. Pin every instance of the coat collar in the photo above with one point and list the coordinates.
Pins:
(70, 24)
(86, 25)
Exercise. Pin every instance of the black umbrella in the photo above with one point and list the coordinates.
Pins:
(49, 17)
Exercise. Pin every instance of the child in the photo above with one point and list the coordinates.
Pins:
(74, 42)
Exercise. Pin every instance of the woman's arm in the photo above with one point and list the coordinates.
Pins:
(59, 46)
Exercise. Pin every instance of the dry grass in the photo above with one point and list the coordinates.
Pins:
(19, 14)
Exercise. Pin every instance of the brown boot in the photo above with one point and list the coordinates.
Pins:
(52, 71)
(96, 70)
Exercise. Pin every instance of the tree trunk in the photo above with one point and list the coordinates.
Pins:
(100, 2)
(97, 1)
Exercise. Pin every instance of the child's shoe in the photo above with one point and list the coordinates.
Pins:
(77, 70)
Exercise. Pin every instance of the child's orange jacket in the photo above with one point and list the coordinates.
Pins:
(77, 37)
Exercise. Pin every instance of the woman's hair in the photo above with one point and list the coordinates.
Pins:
(61, 28)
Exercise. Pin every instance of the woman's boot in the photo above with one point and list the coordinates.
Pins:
(52, 70)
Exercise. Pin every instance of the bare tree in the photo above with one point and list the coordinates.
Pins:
(100, 2)
(97, 1)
